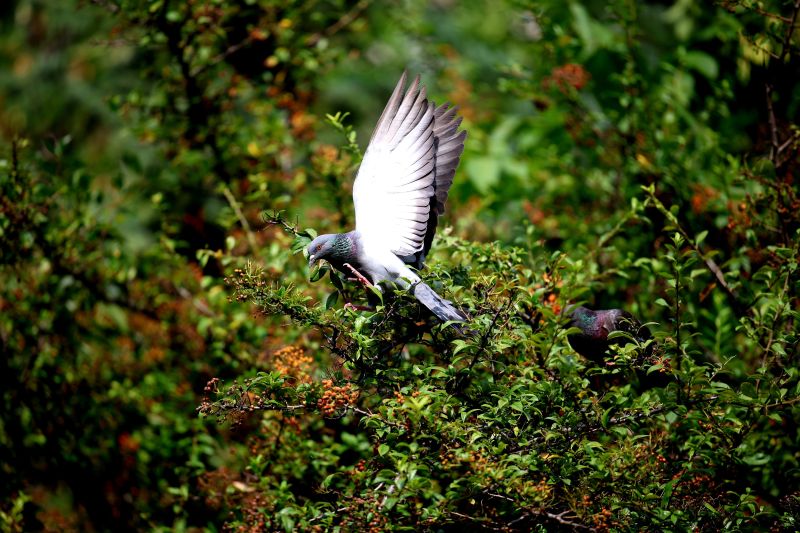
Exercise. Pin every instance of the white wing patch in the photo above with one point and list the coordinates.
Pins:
(394, 187)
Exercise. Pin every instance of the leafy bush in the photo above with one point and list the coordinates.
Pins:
(158, 175)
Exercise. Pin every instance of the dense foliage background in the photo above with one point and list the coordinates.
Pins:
(160, 161)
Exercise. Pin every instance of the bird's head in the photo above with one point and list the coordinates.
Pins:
(320, 248)
(581, 317)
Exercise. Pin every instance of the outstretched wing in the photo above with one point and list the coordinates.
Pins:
(394, 190)
(449, 147)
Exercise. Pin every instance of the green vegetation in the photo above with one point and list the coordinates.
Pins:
(161, 161)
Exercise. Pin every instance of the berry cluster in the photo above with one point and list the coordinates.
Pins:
(336, 398)
(602, 520)
(292, 362)
(212, 387)
(360, 467)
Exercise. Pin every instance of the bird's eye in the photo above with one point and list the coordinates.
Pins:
(318, 248)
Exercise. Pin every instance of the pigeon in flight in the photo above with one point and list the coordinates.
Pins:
(399, 193)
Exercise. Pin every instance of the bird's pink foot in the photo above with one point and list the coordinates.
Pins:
(361, 279)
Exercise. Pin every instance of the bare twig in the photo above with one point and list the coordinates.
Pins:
(777, 147)
(198, 304)
(787, 38)
(564, 520)
(561, 518)
(773, 127)
(484, 522)
(768, 14)
(251, 239)
(15, 159)
(787, 142)
(784, 403)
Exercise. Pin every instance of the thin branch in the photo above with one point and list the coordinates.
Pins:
(777, 147)
(784, 403)
(251, 239)
(337, 512)
(484, 522)
(275, 218)
(773, 127)
(564, 520)
(560, 518)
(390, 491)
(787, 39)
(710, 264)
(484, 342)
(369, 414)
(15, 160)
(768, 14)
(771, 337)
(793, 137)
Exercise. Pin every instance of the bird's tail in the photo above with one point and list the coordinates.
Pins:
(440, 307)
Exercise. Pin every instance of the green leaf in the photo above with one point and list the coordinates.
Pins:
(300, 242)
(317, 272)
(287, 519)
(331, 300)
(702, 63)
(665, 497)
(336, 280)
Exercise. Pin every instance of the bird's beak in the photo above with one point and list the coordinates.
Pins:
(311, 260)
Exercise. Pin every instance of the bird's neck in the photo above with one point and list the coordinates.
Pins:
(343, 248)
(592, 322)
(587, 321)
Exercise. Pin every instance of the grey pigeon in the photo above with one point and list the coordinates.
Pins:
(399, 193)
(593, 342)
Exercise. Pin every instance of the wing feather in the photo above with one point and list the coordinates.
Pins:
(449, 147)
(408, 168)
(395, 186)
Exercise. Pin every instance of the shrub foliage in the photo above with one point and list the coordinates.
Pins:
(163, 163)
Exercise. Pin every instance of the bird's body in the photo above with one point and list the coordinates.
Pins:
(592, 342)
(399, 193)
